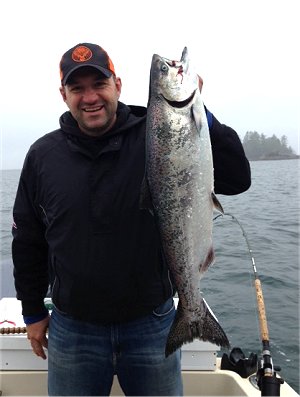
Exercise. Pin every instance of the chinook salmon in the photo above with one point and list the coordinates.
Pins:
(178, 188)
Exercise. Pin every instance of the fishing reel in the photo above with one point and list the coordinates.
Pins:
(266, 377)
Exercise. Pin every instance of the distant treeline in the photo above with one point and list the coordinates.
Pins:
(259, 147)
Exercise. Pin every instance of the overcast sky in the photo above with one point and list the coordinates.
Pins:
(247, 52)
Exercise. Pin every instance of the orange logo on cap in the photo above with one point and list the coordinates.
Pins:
(81, 54)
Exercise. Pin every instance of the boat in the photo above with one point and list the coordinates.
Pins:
(203, 372)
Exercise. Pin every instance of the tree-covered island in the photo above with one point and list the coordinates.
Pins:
(259, 147)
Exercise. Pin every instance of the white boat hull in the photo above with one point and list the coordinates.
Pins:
(24, 374)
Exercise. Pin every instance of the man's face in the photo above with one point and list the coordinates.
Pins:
(92, 100)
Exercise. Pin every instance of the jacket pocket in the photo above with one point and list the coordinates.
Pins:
(165, 308)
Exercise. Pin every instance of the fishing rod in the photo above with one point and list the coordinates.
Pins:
(267, 381)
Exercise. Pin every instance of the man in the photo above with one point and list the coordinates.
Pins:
(79, 228)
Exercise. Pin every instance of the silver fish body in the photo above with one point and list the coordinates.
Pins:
(179, 180)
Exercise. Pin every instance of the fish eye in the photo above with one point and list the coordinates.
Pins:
(164, 67)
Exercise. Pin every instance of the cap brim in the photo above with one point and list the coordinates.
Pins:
(107, 73)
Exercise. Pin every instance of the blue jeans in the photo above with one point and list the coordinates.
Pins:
(83, 358)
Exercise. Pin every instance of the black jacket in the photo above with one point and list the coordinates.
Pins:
(79, 226)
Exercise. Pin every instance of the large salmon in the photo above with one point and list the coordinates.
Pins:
(179, 185)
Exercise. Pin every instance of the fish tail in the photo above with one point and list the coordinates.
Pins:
(205, 328)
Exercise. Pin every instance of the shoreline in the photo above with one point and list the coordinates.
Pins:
(269, 158)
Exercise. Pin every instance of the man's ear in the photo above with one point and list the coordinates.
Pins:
(118, 83)
(62, 91)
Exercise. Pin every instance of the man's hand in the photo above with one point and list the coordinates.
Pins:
(36, 333)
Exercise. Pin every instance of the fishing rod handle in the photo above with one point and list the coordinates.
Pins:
(261, 311)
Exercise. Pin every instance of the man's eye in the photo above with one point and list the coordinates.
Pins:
(99, 84)
(75, 88)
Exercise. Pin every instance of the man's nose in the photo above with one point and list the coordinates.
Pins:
(90, 95)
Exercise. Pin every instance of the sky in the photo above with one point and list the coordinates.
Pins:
(246, 51)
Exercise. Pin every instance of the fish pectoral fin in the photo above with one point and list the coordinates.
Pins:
(197, 117)
(209, 260)
(145, 197)
(216, 202)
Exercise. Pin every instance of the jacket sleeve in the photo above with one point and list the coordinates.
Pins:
(232, 173)
(29, 247)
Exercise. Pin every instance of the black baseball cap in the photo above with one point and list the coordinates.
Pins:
(85, 54)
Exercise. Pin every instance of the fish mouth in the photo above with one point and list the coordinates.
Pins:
(180, 104)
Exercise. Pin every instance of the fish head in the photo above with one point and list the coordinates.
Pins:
(173, 81)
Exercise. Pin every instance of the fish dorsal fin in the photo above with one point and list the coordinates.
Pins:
(217, 204)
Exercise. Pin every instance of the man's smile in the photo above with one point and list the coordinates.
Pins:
(92, 109)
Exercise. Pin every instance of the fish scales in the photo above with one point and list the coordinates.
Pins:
(179, 185)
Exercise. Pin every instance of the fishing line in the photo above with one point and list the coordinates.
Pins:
(250, 251)
(246, 239)
(266, 375)
(259, 295)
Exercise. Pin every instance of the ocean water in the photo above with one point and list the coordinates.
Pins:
(269, 214)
